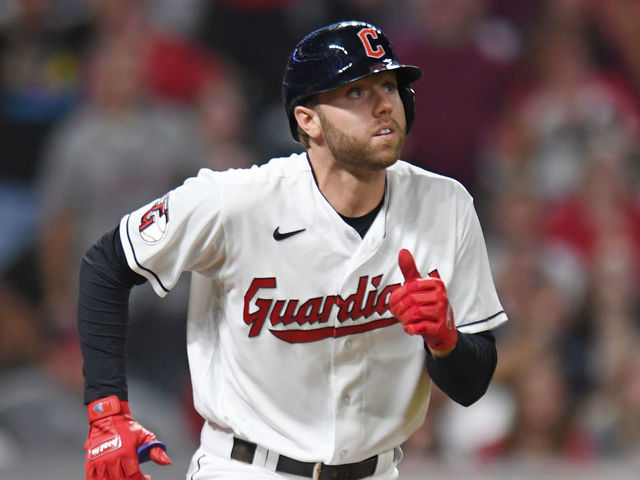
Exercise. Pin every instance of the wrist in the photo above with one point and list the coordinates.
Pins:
(436, 353)
(106, 407)
(442, 348)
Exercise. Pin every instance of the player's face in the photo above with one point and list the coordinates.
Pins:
(363, 122)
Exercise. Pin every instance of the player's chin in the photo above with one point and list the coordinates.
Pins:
(386, 161)
(387, 154)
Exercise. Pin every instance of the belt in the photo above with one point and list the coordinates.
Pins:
(245, 451)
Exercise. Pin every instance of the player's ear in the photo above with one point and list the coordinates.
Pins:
(308, 120)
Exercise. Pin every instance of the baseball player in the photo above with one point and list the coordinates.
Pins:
(329, 288)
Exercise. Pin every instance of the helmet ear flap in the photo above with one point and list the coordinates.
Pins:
(408, 97)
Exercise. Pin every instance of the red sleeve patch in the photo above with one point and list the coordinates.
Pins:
(153, 223)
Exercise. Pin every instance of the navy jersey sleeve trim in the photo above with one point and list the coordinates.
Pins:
(140, 266)
(477, 322)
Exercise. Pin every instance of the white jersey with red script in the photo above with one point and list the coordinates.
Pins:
(291, 344)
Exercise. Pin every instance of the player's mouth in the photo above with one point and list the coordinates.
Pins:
(384, 132)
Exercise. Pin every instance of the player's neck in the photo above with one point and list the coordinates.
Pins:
(351, 192)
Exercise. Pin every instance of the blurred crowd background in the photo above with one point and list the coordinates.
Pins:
(534, 105)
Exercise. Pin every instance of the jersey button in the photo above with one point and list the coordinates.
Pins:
(349, 344)
(346, 399)
(344, 453)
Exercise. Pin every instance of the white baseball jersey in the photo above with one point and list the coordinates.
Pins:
(290, 340)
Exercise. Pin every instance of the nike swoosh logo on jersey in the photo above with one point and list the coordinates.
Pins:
(277, 235)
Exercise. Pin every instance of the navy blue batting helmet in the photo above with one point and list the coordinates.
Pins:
(338, 54)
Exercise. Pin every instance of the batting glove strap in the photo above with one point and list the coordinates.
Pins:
(105, 407)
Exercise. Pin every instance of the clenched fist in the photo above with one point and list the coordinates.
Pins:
(117, 444)
(422, 306)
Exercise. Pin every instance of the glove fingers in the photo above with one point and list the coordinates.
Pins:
(116, 471)
(421, 285)
(91, 473)
(407, 265)
(427, 285)
(131, 468)
(422, 298)
(138, 476)
(159, 456)
(434, 312)
(425, 328)
(414, 309)
(397, 306)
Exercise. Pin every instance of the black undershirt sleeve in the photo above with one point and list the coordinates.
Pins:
(103, 316)
(465, 374)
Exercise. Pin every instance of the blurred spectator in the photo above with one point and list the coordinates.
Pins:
(42, 51)
(220, 139)
(547, 425)
(176, 68)
(117, 151)
(541, 284)
(240, 32)
(177, 18)
(468, 57)
(612, 315)
(465, 434)
(562, 103)
(20, 329)
(40, 81)
(615, 35)
(614, 412)
(602, 215)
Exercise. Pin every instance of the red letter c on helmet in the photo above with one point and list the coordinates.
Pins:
(364, 35)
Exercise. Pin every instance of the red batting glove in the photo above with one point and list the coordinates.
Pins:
(117, 444)
(422, 306)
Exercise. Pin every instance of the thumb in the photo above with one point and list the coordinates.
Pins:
(159, 456)
(408, 265)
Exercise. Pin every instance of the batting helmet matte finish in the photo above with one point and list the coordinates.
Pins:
(338, 54)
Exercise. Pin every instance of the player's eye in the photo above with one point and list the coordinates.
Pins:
(355, 92)
(390, 87)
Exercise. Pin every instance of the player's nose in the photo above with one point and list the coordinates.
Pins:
(383, 100)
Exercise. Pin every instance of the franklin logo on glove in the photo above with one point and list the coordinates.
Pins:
(106, 447)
